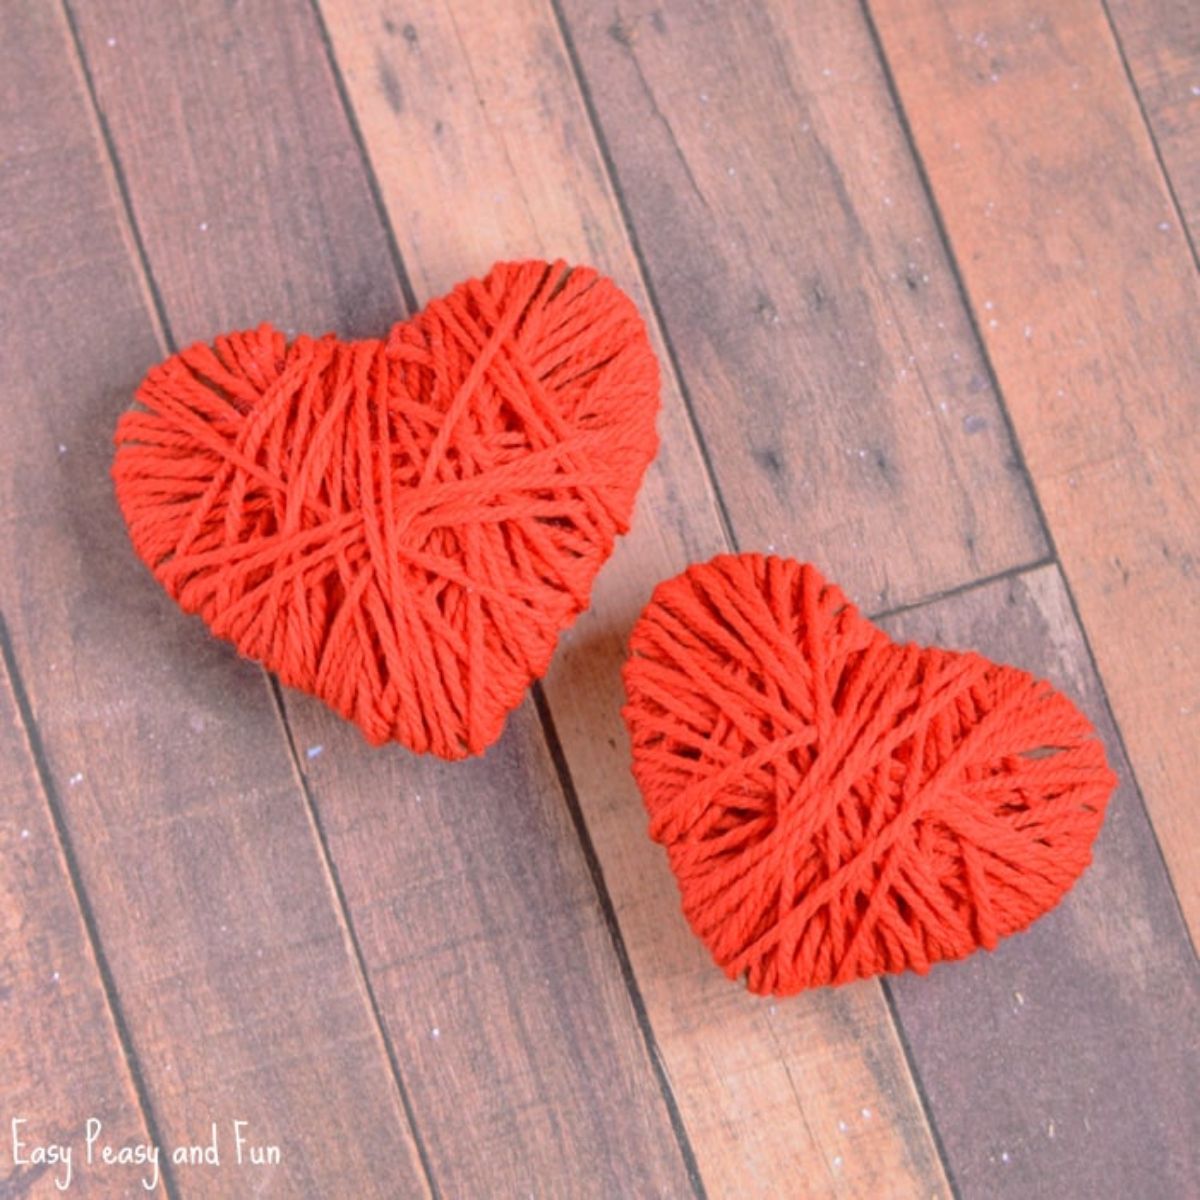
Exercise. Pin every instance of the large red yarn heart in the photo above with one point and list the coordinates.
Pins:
(835, 805)
(400, 526)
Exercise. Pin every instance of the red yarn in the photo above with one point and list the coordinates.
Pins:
(835, 805)
(401, 527)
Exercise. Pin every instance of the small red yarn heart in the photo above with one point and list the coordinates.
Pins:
(835, 805)
(401, 526)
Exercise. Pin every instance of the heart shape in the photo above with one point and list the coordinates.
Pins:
(836, 805)
(401, 526)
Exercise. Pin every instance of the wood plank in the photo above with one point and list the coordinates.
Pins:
(179, 800)
(1160, 41)
(1064, 1063)
(61, 1061)
(806, 291)
(812, 1095)
(265, 200)
(1043, 171)
(468, 891)
(493, 966)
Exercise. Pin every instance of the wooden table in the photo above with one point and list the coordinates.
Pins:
(923, 281)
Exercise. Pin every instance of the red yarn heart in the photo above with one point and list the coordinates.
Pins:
(835, 805)
(400, 526)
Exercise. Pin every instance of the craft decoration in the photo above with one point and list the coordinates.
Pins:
(836, 805)
(401, 526)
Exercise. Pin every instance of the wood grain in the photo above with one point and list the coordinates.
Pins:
(491, 966)
(1065, 1062)
(1160, 41)
(192, 841)
(61, 1061)
(806, 291)
(1043, 171)
(482, 147)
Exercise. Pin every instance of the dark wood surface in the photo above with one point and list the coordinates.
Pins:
(920, 280)
(64, 1060)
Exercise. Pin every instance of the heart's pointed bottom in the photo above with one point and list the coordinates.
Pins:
(836, 806)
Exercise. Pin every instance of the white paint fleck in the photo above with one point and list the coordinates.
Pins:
(110, 42)
(314, 752)
(842, 1127)
(55, 977)
(203, 226)
(703, 97)
(435, 1033)
(731, 171)
(62, 447)
(1196, 89)
(989, 304)
(1050, 1129)
(24, 835)
(1019, 999)
(76, 779)
(887, 202)
(1005, 1156)
(866, 1114)
(1028, 332)
(1164, 226)
(837, 1162)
